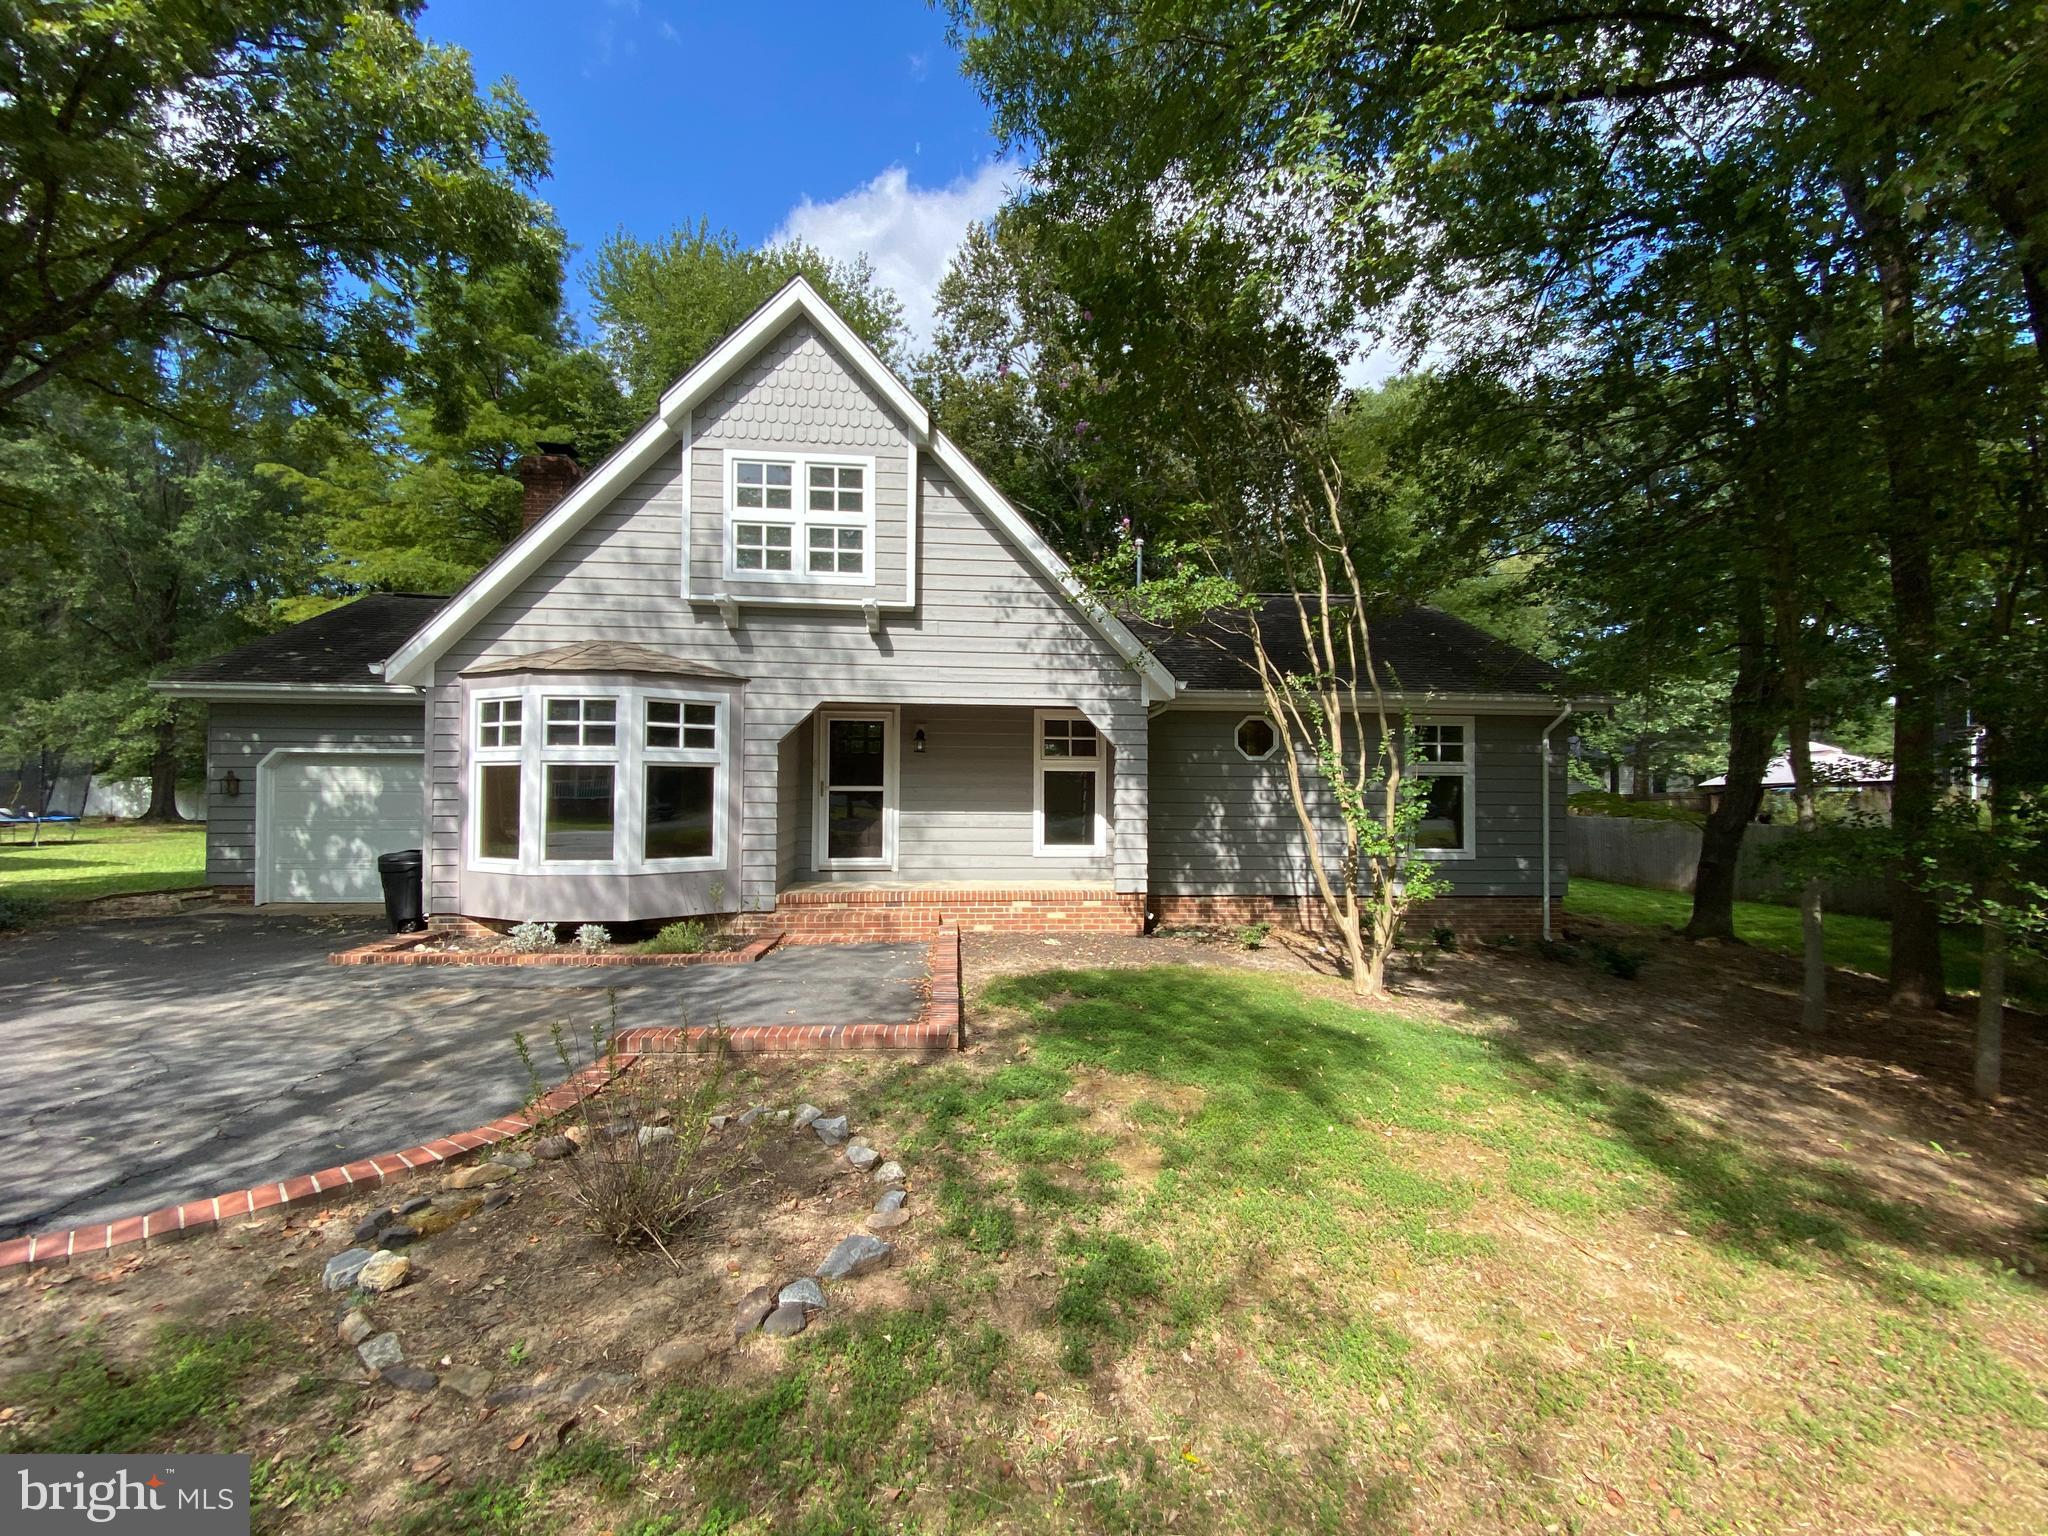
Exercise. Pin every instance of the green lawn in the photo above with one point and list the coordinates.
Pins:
(1853, 943)
(1196, 1250)
(107, 860)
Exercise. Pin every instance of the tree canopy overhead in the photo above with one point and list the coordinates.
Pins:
(278, 175)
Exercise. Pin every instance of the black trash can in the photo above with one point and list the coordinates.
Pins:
(400, 873)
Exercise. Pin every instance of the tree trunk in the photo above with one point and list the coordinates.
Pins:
(1754, 708)
(163, 772)
(1916, 979)
(1813, 973)
(1916, 923)
(1990, 1005)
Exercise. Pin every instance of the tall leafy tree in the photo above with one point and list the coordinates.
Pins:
(1506, 168)
(170, 545)
(272, 175)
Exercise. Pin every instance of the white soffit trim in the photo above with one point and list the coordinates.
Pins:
(226, 692)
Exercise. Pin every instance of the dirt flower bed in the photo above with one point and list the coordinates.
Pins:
(520, 1336)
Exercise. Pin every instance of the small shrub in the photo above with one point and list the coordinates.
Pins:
(1627, 964)
(636, 1190)
(1502, 941)
(1254, 935)
(593, 937)
(1444, 938)
(531, 938)
(1557, 950)
(691, 936)
(19, 911)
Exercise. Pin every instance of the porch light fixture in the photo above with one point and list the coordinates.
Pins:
(230, 785)
(917, 741)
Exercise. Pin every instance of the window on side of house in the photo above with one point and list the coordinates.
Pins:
(1256, 738)
(1440, 758)
(1068, 810)
(498, 778)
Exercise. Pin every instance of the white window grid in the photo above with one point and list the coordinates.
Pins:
(800, 518)
(703, 739)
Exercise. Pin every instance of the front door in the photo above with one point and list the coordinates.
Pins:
(856, 815)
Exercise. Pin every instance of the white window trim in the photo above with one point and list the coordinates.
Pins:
(1041, 764)
(800, 519)
(1468, 770)
(889, 715)
(1265, 756)
(628, 758)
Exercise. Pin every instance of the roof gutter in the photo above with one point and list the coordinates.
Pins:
(229, 693)
(1564, 713)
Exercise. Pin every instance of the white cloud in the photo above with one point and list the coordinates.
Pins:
(908, 232)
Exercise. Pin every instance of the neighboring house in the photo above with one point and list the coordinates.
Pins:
(1866, 781)
(788, 654)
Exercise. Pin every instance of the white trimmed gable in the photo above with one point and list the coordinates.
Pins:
(818, 377)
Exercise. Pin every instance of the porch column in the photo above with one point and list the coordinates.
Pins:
(760, 769)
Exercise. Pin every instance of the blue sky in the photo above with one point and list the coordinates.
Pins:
(847, 123)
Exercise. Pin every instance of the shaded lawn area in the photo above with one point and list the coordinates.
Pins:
(1202, 1250)
(1853, 943)
(110, 859)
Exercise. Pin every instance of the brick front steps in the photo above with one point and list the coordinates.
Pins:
(937, 1029)
(402, 949)
(811, 914)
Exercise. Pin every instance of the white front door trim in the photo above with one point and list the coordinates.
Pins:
(821, 815)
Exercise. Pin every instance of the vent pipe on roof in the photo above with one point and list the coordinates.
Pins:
(545, 478)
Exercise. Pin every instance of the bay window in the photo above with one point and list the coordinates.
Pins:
(1070, 794)
(824, 534)
(617, 780)
(1440, 759)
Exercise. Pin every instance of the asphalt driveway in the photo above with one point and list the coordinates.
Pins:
(160, 1059)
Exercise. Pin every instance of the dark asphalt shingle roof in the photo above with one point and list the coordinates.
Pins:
(1417, 650)
(343, 645)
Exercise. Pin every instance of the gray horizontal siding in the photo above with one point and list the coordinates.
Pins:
(240, 736)
(988, 631)
(1225, 826)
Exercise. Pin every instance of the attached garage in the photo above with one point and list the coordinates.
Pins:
(313, 761)
(322, 817)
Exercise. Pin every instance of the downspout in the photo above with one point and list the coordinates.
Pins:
(1563, 715)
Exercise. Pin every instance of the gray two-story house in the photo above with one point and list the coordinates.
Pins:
(788, 655)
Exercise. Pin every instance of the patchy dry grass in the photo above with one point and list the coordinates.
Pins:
(1214, 1250)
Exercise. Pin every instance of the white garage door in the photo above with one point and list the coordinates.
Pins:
(329, 816)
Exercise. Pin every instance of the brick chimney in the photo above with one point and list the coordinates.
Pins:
(547, 477)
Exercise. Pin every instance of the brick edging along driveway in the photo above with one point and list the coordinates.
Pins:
(938, 1028)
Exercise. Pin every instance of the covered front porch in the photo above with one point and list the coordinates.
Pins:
(894, 818)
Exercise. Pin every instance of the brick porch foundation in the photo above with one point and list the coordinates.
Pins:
(1472, 918)
(826, 914)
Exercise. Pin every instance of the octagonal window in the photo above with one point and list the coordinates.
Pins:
(1256, 738)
